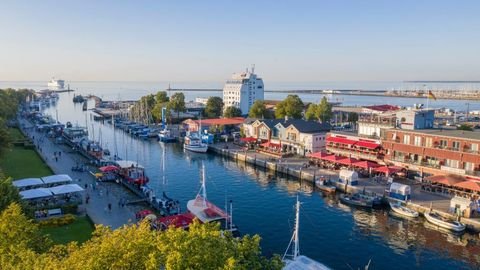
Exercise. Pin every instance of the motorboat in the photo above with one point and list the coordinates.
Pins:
(360, 200)
(443, 222)
(78, 99)
(294, 260)
(165, 135)
(325, 186)
(398, 208)
(194, 143)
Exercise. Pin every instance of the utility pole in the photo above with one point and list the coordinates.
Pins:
(468, 109)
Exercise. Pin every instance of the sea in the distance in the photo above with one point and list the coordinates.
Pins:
(337, 235)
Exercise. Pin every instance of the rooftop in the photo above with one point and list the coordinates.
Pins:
(222, 121)
(452, 133)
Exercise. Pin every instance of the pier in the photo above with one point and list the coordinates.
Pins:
(296, 168)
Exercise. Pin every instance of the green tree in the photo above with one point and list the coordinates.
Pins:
(232, 112)
(292, 106)
(177, 103)
(258, 109)
(161, 97)
(465, 127)
(311, 113)
(8, 194)
(214, 107)
(324, 110)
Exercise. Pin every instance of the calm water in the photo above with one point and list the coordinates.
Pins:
(335, 234)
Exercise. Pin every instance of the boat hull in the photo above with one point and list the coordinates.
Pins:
(458, 227)
(348, 201)
(196, 149)
(403, 211)
(326, 188)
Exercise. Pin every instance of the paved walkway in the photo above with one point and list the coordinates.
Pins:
(101, 194)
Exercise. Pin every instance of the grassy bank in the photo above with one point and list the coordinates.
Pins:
(19, 162)
(80, 230)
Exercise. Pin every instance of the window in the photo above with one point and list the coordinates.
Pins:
(452, 163)
(468, 166)
(474, 147)
(292, 136)
(417, 141)
(428, 142)
(406, 139)
(456, 146)
(443, 144)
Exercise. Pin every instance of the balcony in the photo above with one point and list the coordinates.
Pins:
(355, 154)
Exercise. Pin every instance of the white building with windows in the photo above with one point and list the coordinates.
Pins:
(242, 90)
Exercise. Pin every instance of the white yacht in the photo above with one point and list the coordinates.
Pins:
(56, 84)
(194, 143)
(295, 261)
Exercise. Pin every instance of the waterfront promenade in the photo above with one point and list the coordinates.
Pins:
(100, 194)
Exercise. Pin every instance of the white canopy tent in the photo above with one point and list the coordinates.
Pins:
(128, 163)
(64, 189)
(35, 193)
(57, 178)
(27, 182)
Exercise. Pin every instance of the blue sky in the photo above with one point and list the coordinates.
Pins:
(289, 41)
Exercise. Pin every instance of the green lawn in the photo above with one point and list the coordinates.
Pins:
(80, 230)
(15, 134)
(19, 163)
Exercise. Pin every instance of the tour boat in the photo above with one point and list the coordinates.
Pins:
(360, 200)
(132, 172)
(295, 260)
(402, 210)
(443, 222)
(194, 143)
(324, 186)
(56, 84)
(207, 212)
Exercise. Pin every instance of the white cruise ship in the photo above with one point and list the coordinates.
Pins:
(56, 84)
(242, 90)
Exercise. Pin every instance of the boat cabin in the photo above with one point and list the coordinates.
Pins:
(349, 177)
(400, 191)
(132, 172)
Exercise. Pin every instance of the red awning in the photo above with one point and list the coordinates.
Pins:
(366, 164)
(270, 144)
(318, 155)
(340, 140)
(332, 158)
(388, 170)
(178, 221)
(347, 161)
(449, 180)
(471, 185)
(248, 139)
(109, 168)
(367, 144)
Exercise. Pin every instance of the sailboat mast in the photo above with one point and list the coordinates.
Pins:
(204, 189)
(296, 244)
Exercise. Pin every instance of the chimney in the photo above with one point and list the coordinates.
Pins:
(286, 118)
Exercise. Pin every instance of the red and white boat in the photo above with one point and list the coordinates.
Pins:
(206, 211)
(132, 172)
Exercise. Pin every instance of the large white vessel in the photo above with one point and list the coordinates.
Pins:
(194, 143)
(242, 90)
(56, 84)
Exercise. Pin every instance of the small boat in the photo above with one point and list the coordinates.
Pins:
(402, 210)
(360, 200)
(325, 186)
(294, 260)
(194, 143)
(78, 99)
(443, 222)
(165, 135)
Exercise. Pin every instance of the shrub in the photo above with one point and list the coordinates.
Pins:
(69, 208)
(58, 221)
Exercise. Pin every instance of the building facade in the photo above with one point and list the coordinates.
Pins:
(242, 90)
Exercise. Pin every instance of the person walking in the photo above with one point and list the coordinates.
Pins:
(109, 207)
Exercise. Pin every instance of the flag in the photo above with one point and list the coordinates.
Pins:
(431, 95)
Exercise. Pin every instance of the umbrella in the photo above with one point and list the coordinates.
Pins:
(366, 164)
(448, 180)
(347, 161)
(109, 168)
(332, 158)
(318, 155)
(471, 185)
(387, 170)
(248, 139)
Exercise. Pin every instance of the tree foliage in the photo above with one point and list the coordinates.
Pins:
(311, 113)
(259, 110)
(232, 112)
(465, 127)
(214, 107)
(322, 111)
(177, 103)
(8, 193)
(292, 106)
